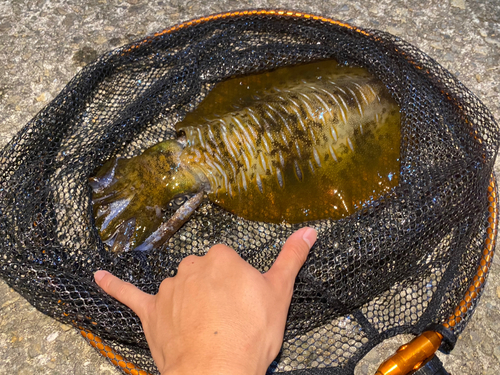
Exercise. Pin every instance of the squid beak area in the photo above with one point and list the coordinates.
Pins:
(138, 235)
(120, 241)
(168, 228)
(104, 176)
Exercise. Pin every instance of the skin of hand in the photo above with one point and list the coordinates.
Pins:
(218, 315)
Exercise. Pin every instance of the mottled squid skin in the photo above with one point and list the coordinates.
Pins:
(313, 150)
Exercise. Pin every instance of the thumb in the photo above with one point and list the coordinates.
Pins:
(291, 258)
(124, 292)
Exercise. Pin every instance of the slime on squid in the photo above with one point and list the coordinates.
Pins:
(301, 143)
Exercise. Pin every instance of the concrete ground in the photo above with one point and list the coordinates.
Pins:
(44, 43)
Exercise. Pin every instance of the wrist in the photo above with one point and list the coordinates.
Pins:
(200, 366)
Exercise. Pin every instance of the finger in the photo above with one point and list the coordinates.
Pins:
(124, 292)
(221, 251)
(225, 260)
(291, 258)
(187, 264)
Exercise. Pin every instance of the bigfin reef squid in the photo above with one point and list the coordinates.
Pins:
(303, 143)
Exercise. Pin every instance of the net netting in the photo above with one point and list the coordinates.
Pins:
(404, 261)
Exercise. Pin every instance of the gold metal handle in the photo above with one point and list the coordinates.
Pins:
(411, 356)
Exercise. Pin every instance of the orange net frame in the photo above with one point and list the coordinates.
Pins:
(479, 279)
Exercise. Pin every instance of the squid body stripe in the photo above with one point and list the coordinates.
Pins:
(215, 166)
(316, 157)
(233, 145)
(262, 159)
(271, 168)
(345, 105)
(360, 89)
(259, 182)
(201, 138)
(326, 106)
(298, 171)
(297, 147)
(266, 145)
(313, 136)
(245, 159)
(231, 165)
(240, 139)
(333, 132)
(224, 128)
(373, 92)
(229, 145)
(294, 102)
(338, 87)
(220, 159)
(285, 122)
(300, 119)
(332, 153)
(350, 144)
(269, 135)
(282, 160)
(309, 109)
(248, 141)
(285, 110)
(243, 129)
(283, 136)
(251, 113)
(269, 113)
(279, 176)
(251, 129)
(208, 148)
(211, 134)
(342, 113)
(311, 166)
(243, 181)
(357, 101)
(223, 125)
(271, 108)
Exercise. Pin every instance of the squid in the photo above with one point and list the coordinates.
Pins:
(304, 150)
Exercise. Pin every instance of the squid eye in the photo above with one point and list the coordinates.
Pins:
(179, 201)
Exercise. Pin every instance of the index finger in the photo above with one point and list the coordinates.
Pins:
(124, 292)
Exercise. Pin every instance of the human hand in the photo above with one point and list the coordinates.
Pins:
(218, 315)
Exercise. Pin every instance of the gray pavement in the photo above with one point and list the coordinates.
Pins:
(44, 43)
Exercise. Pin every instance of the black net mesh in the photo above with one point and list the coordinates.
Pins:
(401, 263)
